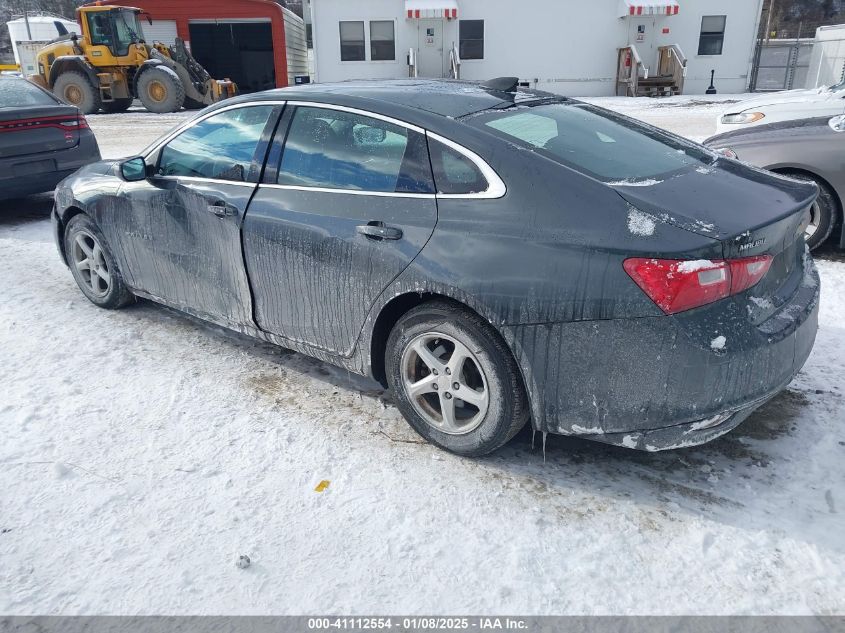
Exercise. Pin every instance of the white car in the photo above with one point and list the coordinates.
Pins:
(783, 106)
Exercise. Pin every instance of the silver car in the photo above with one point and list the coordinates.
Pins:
(806, 149)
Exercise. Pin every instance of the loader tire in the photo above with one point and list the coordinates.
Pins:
(74, 88)
(190, 104)
(160, 90)
(118, 105)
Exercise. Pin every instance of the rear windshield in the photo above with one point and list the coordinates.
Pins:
(593, 141)
(16, 93)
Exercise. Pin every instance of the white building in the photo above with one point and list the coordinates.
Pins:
(565, 46)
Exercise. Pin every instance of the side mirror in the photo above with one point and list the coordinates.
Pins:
(837, 123)
(134, 169)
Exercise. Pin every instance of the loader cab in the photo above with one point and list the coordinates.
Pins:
(111, 33)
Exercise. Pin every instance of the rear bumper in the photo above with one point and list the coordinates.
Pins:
(32, 184)
(659, 383)
(36, 173)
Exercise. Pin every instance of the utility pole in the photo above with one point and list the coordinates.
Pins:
(26, 21)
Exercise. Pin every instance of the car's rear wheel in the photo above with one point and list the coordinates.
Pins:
(93, 266)
(74, 88)
(454, 379)
(823, 213)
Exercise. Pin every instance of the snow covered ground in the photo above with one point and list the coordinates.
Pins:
(143, 452)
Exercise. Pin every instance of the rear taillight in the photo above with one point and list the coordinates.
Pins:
(60, 122)
(79, 123)
(677, 285)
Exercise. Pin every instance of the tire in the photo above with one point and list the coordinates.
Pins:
(441, 327)
(74, 88)
(825, 211)
(109, 291)
(190, 104)
(160, 90)
(118, 105)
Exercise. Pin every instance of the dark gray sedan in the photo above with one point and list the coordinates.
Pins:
(806, 149)
(42, 140)
(492, 255)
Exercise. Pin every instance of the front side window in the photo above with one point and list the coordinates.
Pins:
(471, 34)
(221, 147)
(352, 48)
(712, 35)
(382, 41)
(342, 150)
(454, 173)
(100, 28)
(592, 141)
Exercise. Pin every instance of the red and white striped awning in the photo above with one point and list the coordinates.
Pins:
(417, 9)
(648, 7)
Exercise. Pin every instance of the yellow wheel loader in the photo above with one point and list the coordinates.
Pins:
(110, 64)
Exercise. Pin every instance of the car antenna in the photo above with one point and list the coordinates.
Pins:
(502, 84)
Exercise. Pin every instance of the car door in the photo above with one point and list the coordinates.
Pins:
(347, 201)
(181, 234)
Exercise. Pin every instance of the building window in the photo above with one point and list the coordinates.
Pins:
(382, 41)
(352, 48)
(472, 39)
(712, 35)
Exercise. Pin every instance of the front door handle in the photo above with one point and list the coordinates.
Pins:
(378, 231)
(222, 209)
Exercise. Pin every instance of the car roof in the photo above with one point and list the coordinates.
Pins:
(444, 97)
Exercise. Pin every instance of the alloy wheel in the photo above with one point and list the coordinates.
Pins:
(90, 262)
(445, 383)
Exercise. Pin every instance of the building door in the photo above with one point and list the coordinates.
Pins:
(163, 31)
(241, 50)
(430, 48)
(642, 34)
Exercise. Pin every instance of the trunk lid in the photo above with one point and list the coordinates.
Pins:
(38, 129)
(751, 212)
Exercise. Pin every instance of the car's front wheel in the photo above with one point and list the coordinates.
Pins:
(93, 266)
(823, 213)
(454, 379)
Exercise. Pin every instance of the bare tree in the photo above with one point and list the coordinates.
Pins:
(789, 19)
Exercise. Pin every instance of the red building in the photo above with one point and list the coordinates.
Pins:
(243, 40)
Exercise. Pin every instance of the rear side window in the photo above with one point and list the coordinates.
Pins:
(593, 141)
(17, 93)
(343, 150)
(454, 173)
(221, 147)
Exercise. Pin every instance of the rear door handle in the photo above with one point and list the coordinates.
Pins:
(222, 209)
(378, 231)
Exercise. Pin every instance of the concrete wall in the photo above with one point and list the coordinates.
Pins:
(563, 46)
